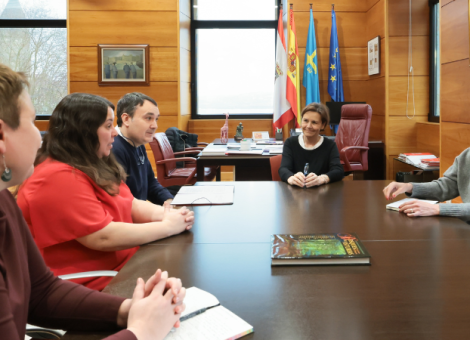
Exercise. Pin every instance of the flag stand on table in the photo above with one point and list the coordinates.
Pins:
(282, 108)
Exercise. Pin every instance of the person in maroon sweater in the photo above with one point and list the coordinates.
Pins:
(29, 292)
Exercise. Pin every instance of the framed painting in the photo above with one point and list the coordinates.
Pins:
(123, 65)
(373, 56)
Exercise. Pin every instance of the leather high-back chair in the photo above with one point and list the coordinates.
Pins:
(352, 137)
(167, 172)
(275, 162)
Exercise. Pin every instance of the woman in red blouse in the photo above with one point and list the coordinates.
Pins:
(29, 292)
(81, 214)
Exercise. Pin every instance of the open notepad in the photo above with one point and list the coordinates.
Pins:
(396, 205)
(215, 323)
(204, 195)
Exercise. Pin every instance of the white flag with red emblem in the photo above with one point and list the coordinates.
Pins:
(282, 109)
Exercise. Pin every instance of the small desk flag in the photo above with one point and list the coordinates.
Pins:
(335, 77)
(293, 69)
(310, 80)
(282, 109)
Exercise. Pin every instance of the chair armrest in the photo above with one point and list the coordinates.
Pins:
(195, 148)
(364, 148)
(190, 152)
(342, 155)
(94, 273)
(37, 332)
(182, 159)
(202, 143)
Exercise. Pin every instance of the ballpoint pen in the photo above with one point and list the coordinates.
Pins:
(193, 314)
(306, 167)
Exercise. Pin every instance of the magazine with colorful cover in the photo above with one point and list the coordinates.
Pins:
(318, 249)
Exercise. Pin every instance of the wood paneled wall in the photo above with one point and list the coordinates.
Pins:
(428, 138)
(455, 81)
(375, 26)
(155, 23)
(401, 134)
(184, 64)
(163, 25)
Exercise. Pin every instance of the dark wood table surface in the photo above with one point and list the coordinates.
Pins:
(417, 286)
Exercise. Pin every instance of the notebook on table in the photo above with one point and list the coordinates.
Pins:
(205, 319)
(396, 205)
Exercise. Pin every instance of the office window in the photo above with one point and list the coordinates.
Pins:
(233, 58)
(434, 62)
(33, 40)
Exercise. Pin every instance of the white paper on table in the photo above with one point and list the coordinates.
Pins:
(274, 151)
(197, 299)
(417, 159)
(395, 205)
(248, 152)
(217, 323)
(204, 194)
(237, 145)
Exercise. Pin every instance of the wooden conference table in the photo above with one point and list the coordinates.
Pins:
(416, 288)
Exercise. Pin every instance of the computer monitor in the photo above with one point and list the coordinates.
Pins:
(335, 110)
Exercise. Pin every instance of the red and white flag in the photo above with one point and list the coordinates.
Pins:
(282, 109)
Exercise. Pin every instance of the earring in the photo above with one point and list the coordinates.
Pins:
(6, 176)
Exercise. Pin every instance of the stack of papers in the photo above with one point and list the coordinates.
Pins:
(278, 142)
(214, 150)
(276, 151)
(395, 205)
(248, 152)
(237, 145)
(415, 158)
(204, 195)
(430, 163)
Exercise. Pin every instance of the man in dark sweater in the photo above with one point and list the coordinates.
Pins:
(137, 116)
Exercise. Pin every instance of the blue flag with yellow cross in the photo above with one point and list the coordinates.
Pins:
(310, 80)
(335, 77)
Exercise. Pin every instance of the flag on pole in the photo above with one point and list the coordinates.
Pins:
(293, 72)
(282, 109)
(335, 77)
(310, 80)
